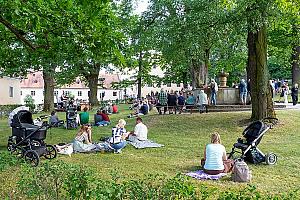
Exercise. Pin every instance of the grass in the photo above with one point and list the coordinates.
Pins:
(184, 137)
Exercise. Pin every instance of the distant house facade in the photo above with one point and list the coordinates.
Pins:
(153, 88)
(10, 91)
(34, 85)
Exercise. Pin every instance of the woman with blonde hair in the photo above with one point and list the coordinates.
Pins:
(118, 138)
(215, 159)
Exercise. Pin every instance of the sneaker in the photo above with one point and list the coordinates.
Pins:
(118, 151)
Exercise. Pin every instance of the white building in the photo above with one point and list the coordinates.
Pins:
(34, 85)
(10, 91)
(147, 89)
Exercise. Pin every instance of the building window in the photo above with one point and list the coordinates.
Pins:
(114, 94)
(21, 93)
(168, 84)
(79, 93)
(11, 92)
(67, 93)
(178, 85)
(55, 93)
(32, 93)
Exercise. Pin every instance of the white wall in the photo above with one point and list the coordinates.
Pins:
(7, 83)
(38, 97)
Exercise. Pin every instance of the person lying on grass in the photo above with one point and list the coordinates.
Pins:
(140, 130)
(118, 139)
(215, 159)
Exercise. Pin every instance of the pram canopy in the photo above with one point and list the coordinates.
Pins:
(21, 117)
(253, 131)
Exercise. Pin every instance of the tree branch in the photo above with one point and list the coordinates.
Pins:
(20, 34)
(17, 33)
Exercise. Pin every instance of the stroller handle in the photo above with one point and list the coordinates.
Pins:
(270, 121)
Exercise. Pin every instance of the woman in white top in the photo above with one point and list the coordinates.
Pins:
(215, 160)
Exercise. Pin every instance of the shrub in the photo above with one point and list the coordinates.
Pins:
(29, 102)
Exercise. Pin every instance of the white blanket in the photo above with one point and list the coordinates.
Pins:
(139, 144)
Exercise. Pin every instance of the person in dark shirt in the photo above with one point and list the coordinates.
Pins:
(181, 102)
(294, 93)
(172, 102)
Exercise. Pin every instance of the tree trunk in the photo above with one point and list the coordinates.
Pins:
(296, 65)
(93, 79)
(139, 76)
(261, 97)
(48, 89)
(204, 72)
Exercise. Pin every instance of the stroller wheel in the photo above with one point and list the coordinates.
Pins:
(51, 152)
(32, 158)
(271, 158)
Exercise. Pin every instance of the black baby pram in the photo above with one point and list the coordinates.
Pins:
(71, 118)
(247, 146)
(27, 139)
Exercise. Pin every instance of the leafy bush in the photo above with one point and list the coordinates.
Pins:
(29, 102)
(8, 160)
(60, 180)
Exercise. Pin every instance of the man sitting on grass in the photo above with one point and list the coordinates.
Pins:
(84, 116)
(140, 130)
(54, 121)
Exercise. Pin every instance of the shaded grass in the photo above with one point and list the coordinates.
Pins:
(184, 137)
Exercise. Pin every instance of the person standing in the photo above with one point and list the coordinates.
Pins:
(181, 102)
(202, 101)
(294, 93)
(243, 92)
(285, 93)
(162, 101)
(172, 102)
(214, 90)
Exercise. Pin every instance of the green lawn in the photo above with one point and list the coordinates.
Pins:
(184, 137)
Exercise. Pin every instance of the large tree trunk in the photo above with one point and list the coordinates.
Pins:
(93, 86)
(48, 89)
(139, 76)
(296, 65)
(204, 72)
(261, 97)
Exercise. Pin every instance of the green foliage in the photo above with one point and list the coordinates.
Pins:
(29, 102)
(7, 160)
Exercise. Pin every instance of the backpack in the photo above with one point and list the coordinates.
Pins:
(241, 171)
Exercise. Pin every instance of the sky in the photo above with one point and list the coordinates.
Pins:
(141, 6)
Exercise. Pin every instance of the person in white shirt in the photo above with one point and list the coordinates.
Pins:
(202, 101)
(140, 130)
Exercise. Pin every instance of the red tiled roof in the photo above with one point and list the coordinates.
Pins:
(35, 80)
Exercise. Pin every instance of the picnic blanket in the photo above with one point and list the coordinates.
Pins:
(201, 175)
(139, 144)
(79, 147)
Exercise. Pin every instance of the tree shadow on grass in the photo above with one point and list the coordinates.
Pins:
(3, 148)
(244, 122)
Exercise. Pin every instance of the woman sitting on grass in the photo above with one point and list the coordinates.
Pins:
(118, 138)
(215, 160)
(83, 139)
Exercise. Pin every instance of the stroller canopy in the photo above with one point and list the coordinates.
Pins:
(254, 131)
(22, 116)
(14, 112)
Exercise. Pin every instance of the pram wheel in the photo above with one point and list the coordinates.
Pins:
(32, 158)
(51, 152)
(271, 158)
